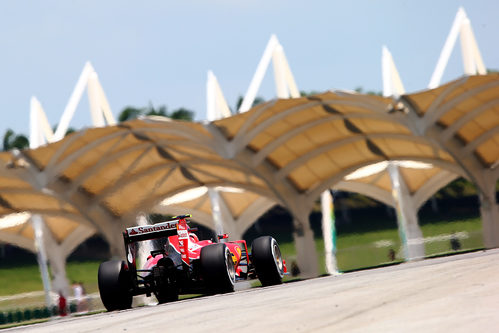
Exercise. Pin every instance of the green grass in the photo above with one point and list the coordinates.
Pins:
(471, 226)
(354, 251)
(20, 279)
(370, 249)
(24, 323)
(26, 278)
(85, 272)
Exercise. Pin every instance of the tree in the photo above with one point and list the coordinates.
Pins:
(12, 140)
(360, 90)
(131, 112)
(182, 114)
(68, 131)
(151, 111)
(128, 113)
(308, 93)
(258, 100)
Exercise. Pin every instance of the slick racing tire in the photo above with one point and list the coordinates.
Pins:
(218, 268)
(164, 276)
(114, 285)
(267, 259)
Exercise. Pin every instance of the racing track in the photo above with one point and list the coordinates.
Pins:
(458, 293)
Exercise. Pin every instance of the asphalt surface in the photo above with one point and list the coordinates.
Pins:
(452, 294)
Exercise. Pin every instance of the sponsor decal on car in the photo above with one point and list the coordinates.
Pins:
(146, 229)
(193, 246)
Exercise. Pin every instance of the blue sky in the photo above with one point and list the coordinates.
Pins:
(159, 52)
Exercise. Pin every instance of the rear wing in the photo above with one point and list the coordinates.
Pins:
(158, 230)
(176, 226)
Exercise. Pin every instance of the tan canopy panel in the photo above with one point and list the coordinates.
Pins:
(468, 109)
(236, 200)
(282, 149)
(135, 164)
(20, 198)
(422, 181)
(315, 141)
(18, 224)
(415, 175)
(17, 194)
(238, 208)
(310, 142)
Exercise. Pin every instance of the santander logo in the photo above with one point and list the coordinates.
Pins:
(151, 228)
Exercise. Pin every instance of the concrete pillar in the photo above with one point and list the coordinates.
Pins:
(306, 253)
(56, 257)
(113, 233)
(407, 219)
(216, 210)
(57, 261)
(489, 210)
(231, 227)
(329, 232)
(39, 228)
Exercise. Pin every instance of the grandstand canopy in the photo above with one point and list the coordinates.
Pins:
(466, 109)
(287, 150)
(422, 181)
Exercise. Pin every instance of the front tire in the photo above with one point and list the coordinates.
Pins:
(114, 285)
(267, 259)
(218, 268)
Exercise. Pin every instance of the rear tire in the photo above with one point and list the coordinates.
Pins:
(114, 285)
(267, 259)
(165, 282)
(218, 268)
(167, 295)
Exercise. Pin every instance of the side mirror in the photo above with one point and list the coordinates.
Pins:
(223, 236)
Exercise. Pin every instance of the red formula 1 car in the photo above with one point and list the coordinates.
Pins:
(185, 265)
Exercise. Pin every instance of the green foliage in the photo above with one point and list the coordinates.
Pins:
(27, 314)
(68, 131)
(309, 93)
(258, 100)
(129, 113)
(18, 315)
(182, 114)
(360, 90)
(45, 312)
(132, 112)
(161, 111)
(12, 140)
(457, 188)
(37, 313)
